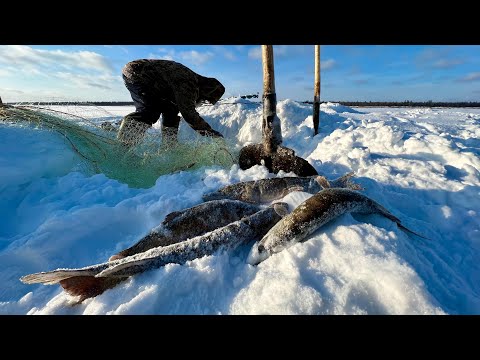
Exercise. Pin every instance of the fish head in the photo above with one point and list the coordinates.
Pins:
(269, 245)
(323, 182)
(281, 208)
(257, 254)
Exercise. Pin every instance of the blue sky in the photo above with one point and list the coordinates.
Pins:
(348, 72)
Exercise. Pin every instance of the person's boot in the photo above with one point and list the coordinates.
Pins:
(131, 132)
(169, 136)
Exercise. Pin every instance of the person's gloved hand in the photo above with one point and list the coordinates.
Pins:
(211, 132)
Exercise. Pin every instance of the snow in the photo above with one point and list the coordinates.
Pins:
(421, 164)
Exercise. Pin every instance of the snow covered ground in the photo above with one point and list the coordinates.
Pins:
(421, 164)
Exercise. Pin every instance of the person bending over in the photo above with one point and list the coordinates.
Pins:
(166, 87)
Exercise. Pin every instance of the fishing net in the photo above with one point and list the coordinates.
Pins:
(93, 136)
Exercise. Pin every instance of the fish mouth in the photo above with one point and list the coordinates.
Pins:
(281, 209)
(257, 254)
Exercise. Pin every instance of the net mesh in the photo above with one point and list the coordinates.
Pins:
(92, 133)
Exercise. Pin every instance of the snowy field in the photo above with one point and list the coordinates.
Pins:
(421, 164)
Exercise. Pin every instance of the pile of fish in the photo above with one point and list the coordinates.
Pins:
(234, 215)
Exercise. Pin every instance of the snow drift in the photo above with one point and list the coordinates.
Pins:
(421, 164)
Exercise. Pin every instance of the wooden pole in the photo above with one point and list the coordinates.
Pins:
(271, 128)
(1, 103)
(316, 91)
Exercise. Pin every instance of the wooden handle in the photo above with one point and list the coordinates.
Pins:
(271, 127)
(316, 93)
(268, 70)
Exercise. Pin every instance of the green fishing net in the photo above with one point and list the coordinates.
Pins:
(99, 151)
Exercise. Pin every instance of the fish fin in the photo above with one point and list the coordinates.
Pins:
(88, 286)
(171, 216)
(410, 231)
(55, 276)
(346, 182)
(383, 211)
(110, 272)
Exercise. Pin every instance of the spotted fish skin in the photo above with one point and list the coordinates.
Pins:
(267, 190)
(250, 228)
(197, 220)
(312, 214)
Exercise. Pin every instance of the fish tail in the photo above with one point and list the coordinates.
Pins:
(53, 277)
(88, 286)
(410, 231)
(380, 209)
(346, 182)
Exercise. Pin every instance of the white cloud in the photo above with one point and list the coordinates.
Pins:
(439, 57)
(5, 72)
(105, 81)
(430, 54)
(293, 50)
(227, 54)
(26, 57)
(166, 57)
(196, 57)
(159, 56)
(447, 63)
(58, 72)
(15, 95)
(13, 71)
(278, 50)
(31, 71)
(255, 52)
(471, 77)
(327, 64)
(192, 56)
(10, 90)
(281, 51)
(361, 81)
(167, 54)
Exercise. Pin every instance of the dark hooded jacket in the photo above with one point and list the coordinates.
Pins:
(175, 83)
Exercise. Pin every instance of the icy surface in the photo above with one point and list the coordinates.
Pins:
(421, 164)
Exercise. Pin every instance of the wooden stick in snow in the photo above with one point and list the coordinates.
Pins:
(271, 129)
(316, 93)
(270, 152)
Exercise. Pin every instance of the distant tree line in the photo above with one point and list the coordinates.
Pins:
(406, 103)
(249, 96)
(85, 103)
